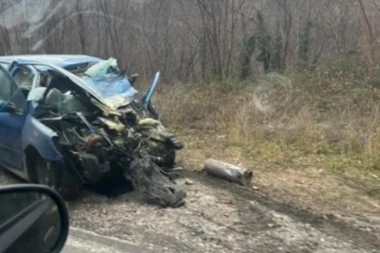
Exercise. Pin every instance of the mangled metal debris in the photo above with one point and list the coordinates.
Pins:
(228, 171)
(157, 186)
(106, 133)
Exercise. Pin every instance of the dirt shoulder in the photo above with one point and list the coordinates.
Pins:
(218, 217)
(301, 182)
(305, 181)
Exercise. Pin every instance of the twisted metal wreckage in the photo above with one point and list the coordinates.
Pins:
(107, 145)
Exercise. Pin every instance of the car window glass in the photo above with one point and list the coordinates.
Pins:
(24, 78)
(4, 65)
(13, 206)
(6, 87)
(9, 91)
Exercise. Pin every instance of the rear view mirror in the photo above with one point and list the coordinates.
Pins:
(33, 218)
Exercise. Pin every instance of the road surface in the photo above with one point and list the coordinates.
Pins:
(83, 241)
(218, 217)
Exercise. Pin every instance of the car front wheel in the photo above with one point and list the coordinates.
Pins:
(57, 175)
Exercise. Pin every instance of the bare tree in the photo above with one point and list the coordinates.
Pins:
(196, 39)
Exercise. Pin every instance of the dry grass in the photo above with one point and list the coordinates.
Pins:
(309, 123)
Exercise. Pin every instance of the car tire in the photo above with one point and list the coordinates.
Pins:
(57, 175)
(47, 173)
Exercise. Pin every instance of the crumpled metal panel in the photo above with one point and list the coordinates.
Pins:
(156, 186)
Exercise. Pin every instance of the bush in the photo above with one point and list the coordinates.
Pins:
(330, 110)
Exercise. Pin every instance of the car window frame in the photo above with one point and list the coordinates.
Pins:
(21, 104)
(20, 68)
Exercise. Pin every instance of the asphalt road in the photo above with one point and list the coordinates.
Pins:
(83, 241)
(218, 217)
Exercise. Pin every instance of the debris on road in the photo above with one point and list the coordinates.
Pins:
(177, 169)
(228, 171)
(157, 187)
(189, 182)
(255, 188)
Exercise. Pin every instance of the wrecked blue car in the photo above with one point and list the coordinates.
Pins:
(71, 120)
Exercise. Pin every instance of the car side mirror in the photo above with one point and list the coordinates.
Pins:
(133, 78)
(33, 218)
(7, 107)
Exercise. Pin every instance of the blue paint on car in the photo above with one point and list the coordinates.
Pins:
(64, 61)
(20, 131)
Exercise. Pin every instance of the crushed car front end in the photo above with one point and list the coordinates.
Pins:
(103, 128)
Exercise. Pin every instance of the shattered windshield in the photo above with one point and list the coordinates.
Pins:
(110, 86)
(108, 80)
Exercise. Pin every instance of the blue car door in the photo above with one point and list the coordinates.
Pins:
(11, 123)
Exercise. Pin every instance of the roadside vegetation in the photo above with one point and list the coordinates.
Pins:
(321, 124)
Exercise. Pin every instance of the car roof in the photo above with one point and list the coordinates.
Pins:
(60, 60)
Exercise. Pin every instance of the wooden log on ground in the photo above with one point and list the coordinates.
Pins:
(228, 171)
